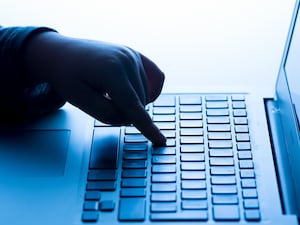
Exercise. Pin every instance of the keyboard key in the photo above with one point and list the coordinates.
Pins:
(92, 195)
(244, 155)
(190, 108)
(135, 138)
(186, 215)
(163, 207)
(193, 184)
(164, 168)
(135, 155)
(241, 129)
(240, 121)
(134, 173)
(248, 183)
(102, 175)
(220, 144)
(190, 116)
(247, 173)
(132, 209)
(166, 125)
(192, 166)
(242, 137)
(191, 148)
(217, 112)
(171, 142)
(191, 124)
(193, 194)
(218, 120)
(163, 110)
(194, 204)
(191, 132)
(192, 157)
(220, 152)
(217, 105)
(133, 182)
(135, 147)
(163, 159)
(163, 151)
(222, 170)
(90, 206)
(239, 112)
(133, 192)
(223, 180)
(224, 189)
(226, 213)
(193, 175)
(216, 98)
(104, 154)
(163, 178)
(107, 206)
(219, 136)
(163, 187)
(163, 197)
(131, 130)
(249, 193)
(169, 133)
(190, 100)
(101, 186)
(225, 199)
(239, 105)
(192, 140)
(215, 161)
(246, 164)
(134, 164)
(164, 118)
(218, 128)
(251, 204)
(165, 100)
(242, 146)
(252, 215)
(90, 216)
(238, 98)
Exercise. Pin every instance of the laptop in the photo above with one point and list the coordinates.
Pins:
(230, 158)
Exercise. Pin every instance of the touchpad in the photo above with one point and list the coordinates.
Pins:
(34, 153)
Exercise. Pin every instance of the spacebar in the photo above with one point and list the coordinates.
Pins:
(195, 215)
(105, 148)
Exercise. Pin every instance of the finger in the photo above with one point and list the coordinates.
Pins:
(155, 77)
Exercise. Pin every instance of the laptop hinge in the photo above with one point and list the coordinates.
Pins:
(283, 170)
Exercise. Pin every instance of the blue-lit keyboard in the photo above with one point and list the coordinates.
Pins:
(204, 173)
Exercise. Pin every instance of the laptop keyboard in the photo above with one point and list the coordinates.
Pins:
(204, 173)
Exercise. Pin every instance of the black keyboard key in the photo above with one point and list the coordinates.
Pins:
(107, 206)
(101, 186)
(92, 195)
(104, 154)
(186, 215)
(226, 213)
(132, 209)
(134, 173)
(102, 175)
(90, 216)
(133, 182)
(133, 192)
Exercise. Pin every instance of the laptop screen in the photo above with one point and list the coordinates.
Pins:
(292, 68)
